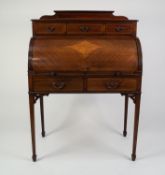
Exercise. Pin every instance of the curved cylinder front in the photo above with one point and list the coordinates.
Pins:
(89, 54)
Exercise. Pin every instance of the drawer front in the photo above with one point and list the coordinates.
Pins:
(49, 28)
(119, 28)
(112, 84)
(61, 84)
(85, 28)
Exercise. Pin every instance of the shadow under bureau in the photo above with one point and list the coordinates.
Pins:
(84, 52)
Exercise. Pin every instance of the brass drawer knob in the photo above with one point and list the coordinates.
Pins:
(58, 84)
(84, 28)
(51, 29)
(114, 84)
(119, 29)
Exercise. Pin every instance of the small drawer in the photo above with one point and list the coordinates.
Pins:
(85, 28)
(117, 28)
(49, 28)
(112, 84)
(54, 84)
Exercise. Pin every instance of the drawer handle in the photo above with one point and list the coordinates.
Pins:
(119, 29)
(51, 29)
(58, 85)
(114, 84)
(84, 28)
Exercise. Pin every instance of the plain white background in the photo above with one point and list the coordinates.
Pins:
(84, 132)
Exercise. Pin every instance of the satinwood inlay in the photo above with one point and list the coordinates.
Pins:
(84, 47)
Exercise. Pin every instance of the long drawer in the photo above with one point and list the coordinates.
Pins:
(76, 84)
(111, 84)
(57, 84)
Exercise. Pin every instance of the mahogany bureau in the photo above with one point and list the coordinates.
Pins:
(84, 52)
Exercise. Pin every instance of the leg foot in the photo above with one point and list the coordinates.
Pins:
(133, 157)
(124, 133)
(32, 121)
(43, 134)
(34, 158)
(136, 123)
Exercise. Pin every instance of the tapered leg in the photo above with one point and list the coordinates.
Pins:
(42, 116)
(136, 123)
(32, 122)
(125, 116)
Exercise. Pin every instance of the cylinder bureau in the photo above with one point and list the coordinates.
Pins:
(84, 52)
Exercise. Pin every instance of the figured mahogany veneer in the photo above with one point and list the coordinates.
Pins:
(112, 84)
(84, 52)
(87, 28)
(49, 84)
(49, 28)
